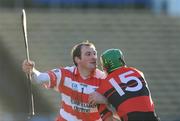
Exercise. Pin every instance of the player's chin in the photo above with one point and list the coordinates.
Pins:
(92, 66)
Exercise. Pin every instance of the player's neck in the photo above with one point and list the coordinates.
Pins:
(85, 73)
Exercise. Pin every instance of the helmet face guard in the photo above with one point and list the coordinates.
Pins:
(111, 60)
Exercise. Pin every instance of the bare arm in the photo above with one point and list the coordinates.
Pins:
(97, 98)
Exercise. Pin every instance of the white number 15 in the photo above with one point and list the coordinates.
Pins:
(125, 79)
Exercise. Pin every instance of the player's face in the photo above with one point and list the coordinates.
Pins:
(88, 57)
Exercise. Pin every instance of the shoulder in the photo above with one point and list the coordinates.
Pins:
(64, 69)
(133, 68)
(70, 68)
(100, 74)
(137, 70)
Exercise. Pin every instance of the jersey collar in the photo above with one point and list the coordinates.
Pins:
(76, 72)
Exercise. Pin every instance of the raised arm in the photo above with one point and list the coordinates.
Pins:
(38, 77)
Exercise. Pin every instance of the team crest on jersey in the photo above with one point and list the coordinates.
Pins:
(56, 70)
(74, 86)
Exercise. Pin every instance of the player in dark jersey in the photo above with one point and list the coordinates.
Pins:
(125, 88)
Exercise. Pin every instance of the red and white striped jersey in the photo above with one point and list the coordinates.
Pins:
(75, 93)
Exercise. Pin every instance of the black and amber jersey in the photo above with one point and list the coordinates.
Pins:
(127, 90)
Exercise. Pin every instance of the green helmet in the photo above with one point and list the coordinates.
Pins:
(112, 59)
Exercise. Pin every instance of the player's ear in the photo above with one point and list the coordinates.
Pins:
(77, 60)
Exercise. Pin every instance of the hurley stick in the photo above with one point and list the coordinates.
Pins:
(24, 25)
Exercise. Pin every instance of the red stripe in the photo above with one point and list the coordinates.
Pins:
(111, 93)
(107, 116)
(125, 118)
(81, 115)
(53, 79)
(142, 104)
(77, 78)
(75, 95)
(59, 118)
(61, 85)
(83, 98)
(72, 93)
(104, 112)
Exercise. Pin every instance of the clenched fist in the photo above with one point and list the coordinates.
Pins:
(27, 66)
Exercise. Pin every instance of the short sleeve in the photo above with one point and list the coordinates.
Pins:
(55, 77)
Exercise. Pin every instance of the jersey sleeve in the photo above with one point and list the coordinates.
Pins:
(49, 79)
(40, 77)
(55, 77)
(104, 111)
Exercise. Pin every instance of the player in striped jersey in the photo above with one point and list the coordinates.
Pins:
(75, 83)
(125, 88)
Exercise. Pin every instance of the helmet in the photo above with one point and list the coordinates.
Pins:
(112, 59)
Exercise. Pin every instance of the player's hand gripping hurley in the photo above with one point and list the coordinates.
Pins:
(24, 25)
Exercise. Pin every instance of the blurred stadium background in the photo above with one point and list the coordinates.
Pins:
(148, 32)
